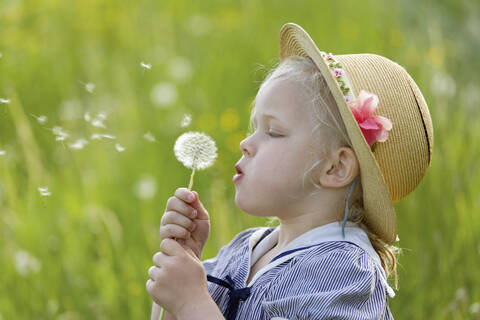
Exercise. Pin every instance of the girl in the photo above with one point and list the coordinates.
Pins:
(336, 141)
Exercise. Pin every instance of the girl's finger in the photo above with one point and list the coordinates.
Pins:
(153, 272)
(172, 217)
(158, 259)
(185, 195)
(175, 204)
(170, 247)
(174, 231)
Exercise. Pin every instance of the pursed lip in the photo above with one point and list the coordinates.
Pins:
(239, 169)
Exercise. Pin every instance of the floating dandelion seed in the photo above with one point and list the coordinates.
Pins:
(89, 87)
(4, 100)
(60, 134)
(3, 152)
(87, 117)
(102, 115)
(149, 136)
(145, 65)
(41, 119)
(196, 151)
(187, 118)
(79, 144)
(119, 147)
(98, 136)
(98, 123)
(44, 191)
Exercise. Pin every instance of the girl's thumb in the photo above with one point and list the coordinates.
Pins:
(202, 213)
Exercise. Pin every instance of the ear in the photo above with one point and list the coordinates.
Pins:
(340, 168)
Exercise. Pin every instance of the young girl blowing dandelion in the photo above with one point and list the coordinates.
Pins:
(336, 140)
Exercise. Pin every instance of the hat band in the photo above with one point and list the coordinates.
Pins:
(336, 69)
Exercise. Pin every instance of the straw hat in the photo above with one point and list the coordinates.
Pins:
(395, 167)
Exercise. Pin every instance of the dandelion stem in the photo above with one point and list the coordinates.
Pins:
(191, 179)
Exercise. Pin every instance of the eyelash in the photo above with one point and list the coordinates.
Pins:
(273, 135)
(269, 133)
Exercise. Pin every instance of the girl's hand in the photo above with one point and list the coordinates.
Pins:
(182, 222)
(177, 280)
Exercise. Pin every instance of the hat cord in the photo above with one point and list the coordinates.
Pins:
(350, 190)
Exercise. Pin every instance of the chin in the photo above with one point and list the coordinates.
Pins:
(250, 208)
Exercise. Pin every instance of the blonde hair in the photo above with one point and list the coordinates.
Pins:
(327, 122)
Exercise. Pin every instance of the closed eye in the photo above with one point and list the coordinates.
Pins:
(273, 135)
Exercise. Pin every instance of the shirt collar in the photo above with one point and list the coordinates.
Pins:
(328, 232)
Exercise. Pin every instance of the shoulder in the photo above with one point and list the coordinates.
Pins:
(337, 264)
(332, 279)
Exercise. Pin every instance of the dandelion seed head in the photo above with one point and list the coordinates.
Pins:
(195, 150)
(90, 87)
(52, 306)
(145, 187)
(25, 263)
(79, 144)
(5, 101)
(180, 69)
(164, 94)
(145, 65)
(443, 84)
(149, 136)
(474, 308)
(199, 25)
(119, 147)
(187, 118)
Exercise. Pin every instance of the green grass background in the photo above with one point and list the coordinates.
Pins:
(83, 252)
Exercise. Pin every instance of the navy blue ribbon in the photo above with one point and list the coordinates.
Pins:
(235, 295)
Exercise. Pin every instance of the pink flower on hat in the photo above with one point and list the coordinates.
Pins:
(338, 72)
(374, 128)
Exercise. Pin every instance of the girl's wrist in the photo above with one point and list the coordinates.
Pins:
(203, 308)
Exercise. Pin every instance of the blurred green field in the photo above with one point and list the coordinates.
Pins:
(142, 73)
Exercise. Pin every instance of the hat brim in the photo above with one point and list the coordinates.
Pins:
(379, 211)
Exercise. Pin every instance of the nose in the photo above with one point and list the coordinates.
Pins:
(245, 146)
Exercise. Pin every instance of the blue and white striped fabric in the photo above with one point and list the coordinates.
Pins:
(319, 275)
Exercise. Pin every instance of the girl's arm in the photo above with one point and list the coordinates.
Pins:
(205, 308)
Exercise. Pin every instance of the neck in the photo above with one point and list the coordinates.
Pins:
(332, 206)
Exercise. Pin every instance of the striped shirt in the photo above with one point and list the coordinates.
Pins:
(318, 275)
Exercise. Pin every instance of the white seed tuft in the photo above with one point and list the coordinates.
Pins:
(187, 118)
(149, 137)
(195, 150)
(89, 87)
(44, 191)
(145, 65)
(79, 144)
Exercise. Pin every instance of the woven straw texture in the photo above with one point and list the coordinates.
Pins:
(395, 167)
